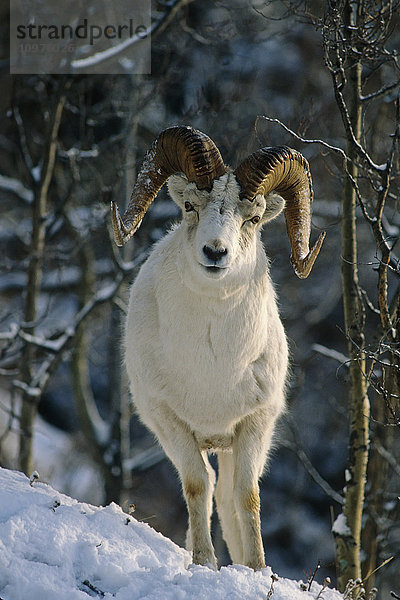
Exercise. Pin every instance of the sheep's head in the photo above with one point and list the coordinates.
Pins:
(220, 227)
(223, 209)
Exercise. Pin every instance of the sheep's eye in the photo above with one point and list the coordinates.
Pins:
(188, 207)
(255, 219)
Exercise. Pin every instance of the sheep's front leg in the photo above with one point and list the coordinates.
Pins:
(198, 494)
(197, 477)
(250, 451)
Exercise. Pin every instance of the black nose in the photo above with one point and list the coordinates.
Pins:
(213, 254)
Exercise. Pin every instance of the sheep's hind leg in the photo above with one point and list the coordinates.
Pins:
(226, 508)
(250, 449)
(197, 477)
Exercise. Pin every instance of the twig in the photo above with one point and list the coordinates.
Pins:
(327, 583)
(274, 578)
(311, 579)
(385, 562)
(93, 588)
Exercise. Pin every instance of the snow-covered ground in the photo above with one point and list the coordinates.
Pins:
(55, 548)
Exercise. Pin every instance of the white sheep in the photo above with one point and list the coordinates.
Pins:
(205, 349)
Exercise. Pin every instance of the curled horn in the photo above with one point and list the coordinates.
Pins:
(285, 171)
(176, 150)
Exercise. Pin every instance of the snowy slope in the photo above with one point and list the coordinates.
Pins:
(55, 548)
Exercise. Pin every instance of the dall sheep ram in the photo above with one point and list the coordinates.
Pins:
(205, 349)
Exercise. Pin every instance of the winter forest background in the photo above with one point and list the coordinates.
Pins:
(248, 74)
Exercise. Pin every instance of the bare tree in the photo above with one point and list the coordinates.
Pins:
(60, 240)
(359, 41)
(40, 184)
(357, 54)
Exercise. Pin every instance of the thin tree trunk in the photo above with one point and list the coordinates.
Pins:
(114, 482)
(377, 474)
(95, 429)
(85, 405)
(103, 438)
(348, 542)
(34, 277)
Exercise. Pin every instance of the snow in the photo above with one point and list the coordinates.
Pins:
(53, 547)
(340, 526)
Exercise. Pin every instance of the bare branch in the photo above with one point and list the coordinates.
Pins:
(340, 151)
(311, 470)
(58, 346)
(381, 92)
(304, 140)
(16, 187)
(330, 353)
(390, 459)
(26, 155)
(157, 27)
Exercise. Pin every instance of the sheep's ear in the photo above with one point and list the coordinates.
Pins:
(274, 205)
(177, 185)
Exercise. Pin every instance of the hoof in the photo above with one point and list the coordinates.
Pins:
(205, 560)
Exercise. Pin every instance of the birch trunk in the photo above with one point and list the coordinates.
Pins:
(348, 543)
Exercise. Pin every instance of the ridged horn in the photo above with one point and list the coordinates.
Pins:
(285, 171)
(176, 150)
